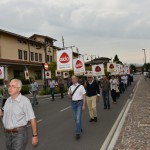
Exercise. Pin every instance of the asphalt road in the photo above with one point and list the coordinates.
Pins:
(57, 128)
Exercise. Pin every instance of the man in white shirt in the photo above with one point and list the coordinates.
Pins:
(16, 113)
(78, 103)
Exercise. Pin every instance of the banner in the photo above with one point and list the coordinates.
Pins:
(1, 72)
(26, 74)
(88, 73)
(126, 69)
(98, 70)
(78, 65)
(111, 67)
(64, 60)
(57, 73)
(47, 74)
(65, 75)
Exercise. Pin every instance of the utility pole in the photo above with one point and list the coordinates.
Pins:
(144, 55)
(63, 42)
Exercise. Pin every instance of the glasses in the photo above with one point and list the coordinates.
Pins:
(12, 86)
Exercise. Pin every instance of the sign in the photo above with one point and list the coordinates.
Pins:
(47, 74)
(26, 74)
(65, 75)
(46, 66)
(64, 60)
(78, 65)
(126, 69)
(88, 73)
(111, 67)
(98, 70)
(1, 72)
(58, 73)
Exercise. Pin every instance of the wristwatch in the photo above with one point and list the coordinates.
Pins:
(34, 135)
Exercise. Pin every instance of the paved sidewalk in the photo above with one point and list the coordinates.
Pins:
(135, 133)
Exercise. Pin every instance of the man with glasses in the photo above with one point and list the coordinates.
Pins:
(16, 113)
(93, 95)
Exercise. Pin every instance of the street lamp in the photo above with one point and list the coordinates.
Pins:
(144, 55)
(91, 57)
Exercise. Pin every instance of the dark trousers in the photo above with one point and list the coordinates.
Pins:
(61, 89)
(34, 93)
(105, 95)
(17, 141)
(113, 95)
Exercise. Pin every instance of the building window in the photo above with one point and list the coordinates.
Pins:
(18, 73)
(25, 55)
(38, 75)
(40, 57)
(47, 58)
(51, 58)
(36, 57)
(19, 54)
(32, 56)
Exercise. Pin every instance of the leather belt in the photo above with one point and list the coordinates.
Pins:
(15, 130)
(76, 101)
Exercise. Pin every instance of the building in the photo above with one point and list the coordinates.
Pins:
(19, 53)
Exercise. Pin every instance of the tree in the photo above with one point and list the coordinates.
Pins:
(116, 60)
(133, 67)
(52, 67)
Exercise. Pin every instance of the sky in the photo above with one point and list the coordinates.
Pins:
(96, 27)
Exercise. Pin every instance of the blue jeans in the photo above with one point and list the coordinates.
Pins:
(52, 90)
(34, 93)
(17, 141)
(77, 111)
(105, 95)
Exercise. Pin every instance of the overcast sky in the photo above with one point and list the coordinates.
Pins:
(97, 27)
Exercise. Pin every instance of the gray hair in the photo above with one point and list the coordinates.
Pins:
(18, 82)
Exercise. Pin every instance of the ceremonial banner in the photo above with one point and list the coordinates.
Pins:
(78, 65)
(64, 60)
(1, 72)
(98, 70)
(57, 73)
(65, 75)
(47, 74)
(126, 69)
(88, 73)
(26, 74)
(111, 67)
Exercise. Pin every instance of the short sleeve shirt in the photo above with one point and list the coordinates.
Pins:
(17, 112)
(78, 95)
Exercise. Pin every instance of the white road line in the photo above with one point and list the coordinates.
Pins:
(65, 108)
(38, 121)
(131, 95)
(134, 88)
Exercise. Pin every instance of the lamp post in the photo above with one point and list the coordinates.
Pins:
(144, 55)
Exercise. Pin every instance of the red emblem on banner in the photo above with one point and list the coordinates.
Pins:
(111, 66)
(0, 72)
(78, 64)
(64, 58)
(97, 69)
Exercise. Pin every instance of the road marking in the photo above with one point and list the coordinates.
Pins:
(131, 95)
(65, 108)
(38, 121)
(134, 88)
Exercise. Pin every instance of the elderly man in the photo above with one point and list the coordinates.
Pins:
(77, 93)
(16, 113)
(93, 94)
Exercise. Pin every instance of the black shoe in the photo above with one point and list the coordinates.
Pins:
(77, 136)
(105, 107)
(81, 130)
(37, 103)
(95, 119)
(91, 120)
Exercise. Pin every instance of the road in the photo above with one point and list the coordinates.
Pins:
(56, 124)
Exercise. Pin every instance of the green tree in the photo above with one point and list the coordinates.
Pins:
(116, 60)
(133, 67)
(52, 67)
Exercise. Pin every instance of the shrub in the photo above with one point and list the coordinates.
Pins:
(25, 89)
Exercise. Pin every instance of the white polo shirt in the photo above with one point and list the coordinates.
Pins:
(78, 95)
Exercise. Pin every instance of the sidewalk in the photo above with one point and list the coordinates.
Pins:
(135, 133)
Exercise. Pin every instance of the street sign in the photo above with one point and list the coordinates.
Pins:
(46, 66)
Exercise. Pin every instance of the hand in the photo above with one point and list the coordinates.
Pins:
(35, 141)
(98, 99)
(83, 107)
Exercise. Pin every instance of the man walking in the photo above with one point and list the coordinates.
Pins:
(61, 84)
(52, 88)
(34, 90)
(105, 85)
(77, 92)
(16, 113)
(93, 94)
